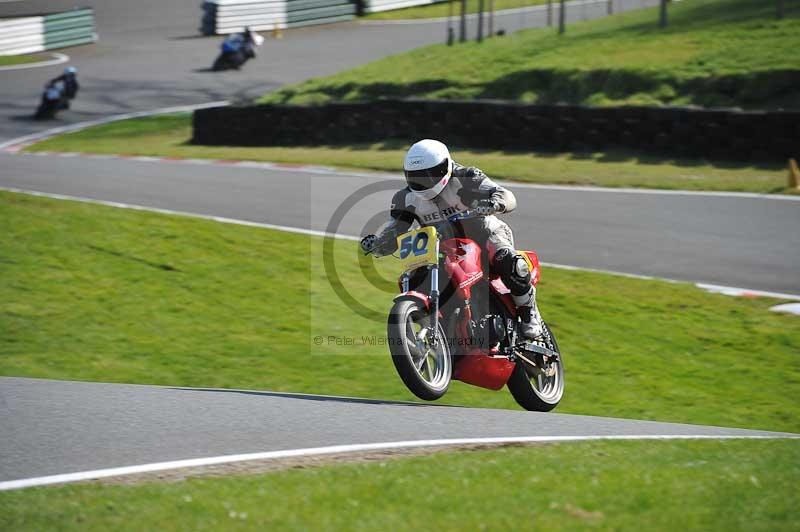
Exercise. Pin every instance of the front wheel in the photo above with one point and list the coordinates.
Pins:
(424, 365)
(539, 387)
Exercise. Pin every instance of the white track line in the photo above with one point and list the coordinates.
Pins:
(726, 290)
(731, 291)
(713, 288)
(339, 449)
(58, 59)
(654, 191)
(219, 219)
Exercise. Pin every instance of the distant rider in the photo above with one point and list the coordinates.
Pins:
(439, 188)
(244, 43)
(249, 43)
(69, 81)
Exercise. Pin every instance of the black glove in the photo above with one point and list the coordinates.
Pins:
(487, 207)
(368, 243)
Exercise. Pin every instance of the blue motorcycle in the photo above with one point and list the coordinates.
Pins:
(237, 49)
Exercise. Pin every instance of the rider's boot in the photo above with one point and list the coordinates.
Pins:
(530, 321)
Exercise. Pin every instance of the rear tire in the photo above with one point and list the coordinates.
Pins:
(532, 389)
(45, 112)
(425, 370)
(219, 64)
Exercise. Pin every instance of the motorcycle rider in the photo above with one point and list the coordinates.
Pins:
(250, 43)
(70, 80)
(438, 188)
(244, 43)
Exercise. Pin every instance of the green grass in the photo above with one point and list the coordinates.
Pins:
(714, 53)
(442, 9)
(168, 136)
(709, 485)
(11, 60)
(104, 294)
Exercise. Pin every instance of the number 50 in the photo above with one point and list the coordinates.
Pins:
(418, 244)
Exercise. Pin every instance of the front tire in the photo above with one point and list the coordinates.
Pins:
(425, 369)
(539, 388)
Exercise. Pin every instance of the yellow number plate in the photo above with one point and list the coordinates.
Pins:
(417, 248)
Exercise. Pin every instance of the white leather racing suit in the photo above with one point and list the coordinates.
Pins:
(466, 185)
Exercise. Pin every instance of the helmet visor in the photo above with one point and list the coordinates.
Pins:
(427, 178)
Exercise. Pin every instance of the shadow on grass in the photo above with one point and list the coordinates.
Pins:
(365, 91)
(650, 159)
(610, 156)
(323, 398)
(751, 90)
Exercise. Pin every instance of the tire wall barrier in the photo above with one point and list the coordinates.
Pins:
(713, 134)
(25, 35)
(231, 16)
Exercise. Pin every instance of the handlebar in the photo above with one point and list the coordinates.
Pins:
(464, 215)
(379, 243)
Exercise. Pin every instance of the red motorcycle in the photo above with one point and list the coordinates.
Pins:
(467, 332)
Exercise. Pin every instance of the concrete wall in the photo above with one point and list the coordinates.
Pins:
(717, 134)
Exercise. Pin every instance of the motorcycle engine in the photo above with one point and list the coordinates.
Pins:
(489, 331)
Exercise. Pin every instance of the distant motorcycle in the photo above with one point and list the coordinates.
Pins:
(237, 49)
(57, 94)
(54, 98)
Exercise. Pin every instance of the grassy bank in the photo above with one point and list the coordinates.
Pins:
(442, 9)
(714, 53)
(12, 60)
(728, 485)
(169, 135)
(98, 293)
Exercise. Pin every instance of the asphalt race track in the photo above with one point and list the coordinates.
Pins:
(717, 239)
(53, 427)
(149, 56)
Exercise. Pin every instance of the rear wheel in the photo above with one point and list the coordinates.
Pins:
(220, 63)
(425, 366)
(45, 111)
(541, 386)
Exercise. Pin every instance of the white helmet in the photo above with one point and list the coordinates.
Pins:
(428, 167)
(70, 70)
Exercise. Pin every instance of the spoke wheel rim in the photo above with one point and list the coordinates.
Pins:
(549, 388)
(432, 364)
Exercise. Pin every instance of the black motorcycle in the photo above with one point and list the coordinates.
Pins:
(54, 98)
(57, 94)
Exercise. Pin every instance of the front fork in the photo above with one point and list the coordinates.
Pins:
(435, 296)
(434, 310)
(435, 301)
